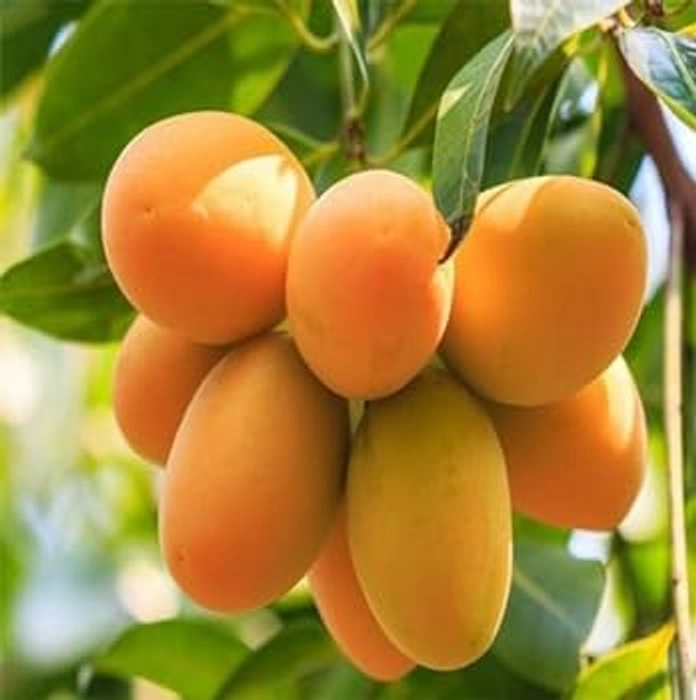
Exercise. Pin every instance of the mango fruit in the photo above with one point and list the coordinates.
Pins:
(197, 217)
(579, 462)
(549, 287)
(346, 614)
(156, 374)
(429, 520)
(367, 300)
(254, 477)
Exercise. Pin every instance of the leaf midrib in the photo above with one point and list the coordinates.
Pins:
(144, 79)
(534, 591)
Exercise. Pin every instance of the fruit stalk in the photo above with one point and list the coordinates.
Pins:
(673, 405)
(353, 132)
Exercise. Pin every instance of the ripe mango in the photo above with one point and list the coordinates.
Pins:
(580, 462)
(367, 300)
(198, 213)
(344, 610)
(549, 287)
(156, 375)
(429, 520)
(254, 477)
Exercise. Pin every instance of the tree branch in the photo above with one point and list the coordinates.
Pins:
(646, 118)
(648, 123)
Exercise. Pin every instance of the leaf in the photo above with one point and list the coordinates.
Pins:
(619, 151)
(344, 682)
(646, 565)
(645, 355)
(486, 679)
(62, 208)
(348, 17)
(27, 30)
(540, 26)
(65, 291)
(180, 57)
(577, 122)
(666, 63)
(430, 12)
(393, 77)
(262, 47)
(300, 648)
(461, 131)
(465, 31)
(190, 657)
(552, 606)
(638, 669)
(516, 144)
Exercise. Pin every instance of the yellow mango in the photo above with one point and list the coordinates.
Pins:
(549, 287)
(429, 520)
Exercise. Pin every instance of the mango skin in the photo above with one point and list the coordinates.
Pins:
(254, 477)
(197, 217)
(429, 521)
(344, 610)
(579, 462)
(156, 374)
(367, 298)
(549, 286)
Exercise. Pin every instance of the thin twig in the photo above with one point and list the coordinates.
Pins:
(674, 432)
(389, 24)
(311, 41)
(353, 131)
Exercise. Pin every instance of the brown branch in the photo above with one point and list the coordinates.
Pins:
(647, 121)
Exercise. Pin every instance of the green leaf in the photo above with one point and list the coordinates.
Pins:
(468, 28)
(638, 669)
(516, 144)
(462, 129)
(65, 291)
(552, 606)
(540, 26)
(62, 208)
(262, 47)
(393, 75)
(180, 57)
(645, 355)
(487, 679)
(646, 566)
(300, 648)
(576, 127)
(26, 32)
(344, 682)
(666, 63)
(190, 657)
(429, 12)
(619, 151)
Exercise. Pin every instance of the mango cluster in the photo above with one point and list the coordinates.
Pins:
(284, 369)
